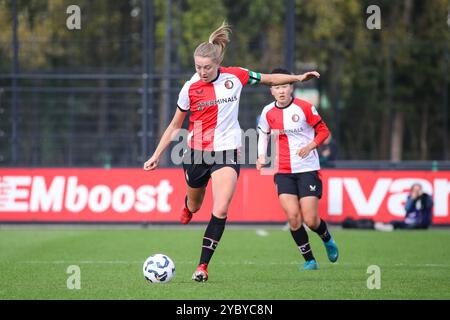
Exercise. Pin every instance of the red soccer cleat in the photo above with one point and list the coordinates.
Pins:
(201, 273)
(186, 216)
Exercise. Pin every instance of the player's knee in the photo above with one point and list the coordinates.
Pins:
(220, 208)
(294, 222)
(294, 225)
(312, 222)
(220, 211)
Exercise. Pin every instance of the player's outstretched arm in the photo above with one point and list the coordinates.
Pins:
(166, 138)
(277, 79)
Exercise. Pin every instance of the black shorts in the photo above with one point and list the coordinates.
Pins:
(302, 184)
(198, 165)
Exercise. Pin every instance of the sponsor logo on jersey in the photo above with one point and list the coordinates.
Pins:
(287, 131)
(295, 117)
(215, 102)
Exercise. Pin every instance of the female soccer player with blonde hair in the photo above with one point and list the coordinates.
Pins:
(212, 97)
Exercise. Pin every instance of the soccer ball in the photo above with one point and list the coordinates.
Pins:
(158, 268)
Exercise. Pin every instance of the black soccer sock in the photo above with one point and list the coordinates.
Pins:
(211, 239)
(301, 239)
(322, 231)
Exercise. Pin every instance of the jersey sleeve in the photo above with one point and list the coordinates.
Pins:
(245, 76)
(183, 98)
(263, 124)
(322, 133)
(263, 133)
(315, 121)
(312, 116)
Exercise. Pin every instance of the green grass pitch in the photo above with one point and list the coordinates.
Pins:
(246, 265)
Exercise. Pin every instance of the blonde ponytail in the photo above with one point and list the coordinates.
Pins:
(215, 47)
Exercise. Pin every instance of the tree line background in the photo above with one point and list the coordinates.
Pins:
(105, 93)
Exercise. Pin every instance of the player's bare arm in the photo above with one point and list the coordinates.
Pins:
(166, 138)
(279, 79)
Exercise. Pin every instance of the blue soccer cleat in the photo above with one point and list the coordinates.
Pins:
(311, 265)
(332, 250)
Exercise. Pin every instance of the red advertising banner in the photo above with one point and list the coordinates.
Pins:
(134, 195)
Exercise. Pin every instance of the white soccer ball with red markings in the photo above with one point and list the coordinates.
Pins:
(159, 268)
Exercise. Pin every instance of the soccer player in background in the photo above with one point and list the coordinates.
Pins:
(300, 130)
(212, 97)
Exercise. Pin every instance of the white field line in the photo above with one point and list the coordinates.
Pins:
(262, 232)
(69, 262)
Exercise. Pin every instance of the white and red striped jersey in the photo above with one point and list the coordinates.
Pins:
(295, 125)
(214, 108)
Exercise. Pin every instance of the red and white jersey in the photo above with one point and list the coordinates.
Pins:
(295, 125)
(214, 108)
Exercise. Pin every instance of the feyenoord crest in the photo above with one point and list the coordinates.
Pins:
(295, 118)
(229, 84)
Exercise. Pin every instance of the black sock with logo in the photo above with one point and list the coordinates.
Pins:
(301, 239)
(322, 231)
(211, 238)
